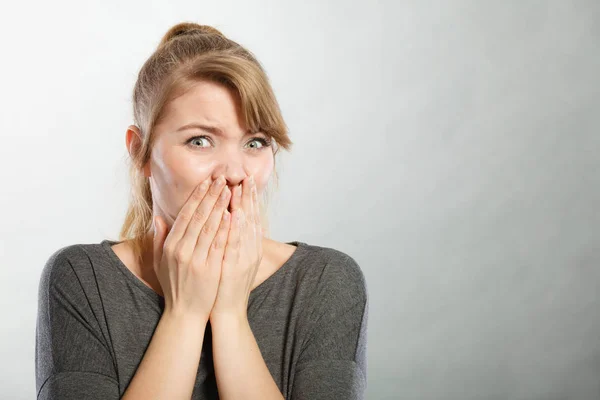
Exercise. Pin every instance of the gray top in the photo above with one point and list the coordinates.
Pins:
(96, 318)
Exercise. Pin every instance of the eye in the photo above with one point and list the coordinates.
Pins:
(197, 139)
(263, 142)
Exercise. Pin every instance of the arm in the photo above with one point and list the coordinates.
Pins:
(240, 369)
(333, 363)
(170, 364)
(333, 360)
(73, 359)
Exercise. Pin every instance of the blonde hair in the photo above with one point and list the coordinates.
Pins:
(188, 53)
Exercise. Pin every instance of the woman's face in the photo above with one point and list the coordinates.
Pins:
(200, 136)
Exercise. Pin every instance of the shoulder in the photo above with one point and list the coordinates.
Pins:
(336, 262)
(337, 274)
(64, 266)
(59, 263)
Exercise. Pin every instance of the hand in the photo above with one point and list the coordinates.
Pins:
(243, 254)
(188, 262)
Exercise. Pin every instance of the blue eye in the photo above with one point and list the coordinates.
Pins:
(264, 142)
(197, 138)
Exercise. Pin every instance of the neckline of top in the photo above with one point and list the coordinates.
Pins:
(106, 244)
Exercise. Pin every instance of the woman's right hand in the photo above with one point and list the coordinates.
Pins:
(187, 260)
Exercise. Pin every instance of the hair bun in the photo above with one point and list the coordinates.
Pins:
(184, 28)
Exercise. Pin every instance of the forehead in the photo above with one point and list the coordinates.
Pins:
(206, 102)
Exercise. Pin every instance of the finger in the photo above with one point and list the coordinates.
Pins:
(217, 248)
(255, 205)
(236, 198)
(199, 220)
(207, 233)
(247, 196)
(232, 249)
(187, 211)
(158, 241)
(250, 228)
(257, 220)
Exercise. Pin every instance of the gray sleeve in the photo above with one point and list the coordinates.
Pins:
(333, 363)
(72, 357)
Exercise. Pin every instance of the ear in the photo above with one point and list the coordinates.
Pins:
(133, 141)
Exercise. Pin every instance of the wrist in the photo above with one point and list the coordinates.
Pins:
(183, 317)
(229, 318)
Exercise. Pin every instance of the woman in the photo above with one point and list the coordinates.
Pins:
(195, 300)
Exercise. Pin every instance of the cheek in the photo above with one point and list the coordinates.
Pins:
(261, 181)
(175, 176)
(262, 172)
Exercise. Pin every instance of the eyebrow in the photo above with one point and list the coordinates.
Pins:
(212, 129)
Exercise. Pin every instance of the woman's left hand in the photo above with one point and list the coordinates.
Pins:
(243, 253)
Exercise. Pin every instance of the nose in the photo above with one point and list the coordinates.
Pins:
(229, 161)
(234, 174)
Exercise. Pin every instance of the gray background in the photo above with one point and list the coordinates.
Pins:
(450, 147)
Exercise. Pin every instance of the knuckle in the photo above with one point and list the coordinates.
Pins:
(184, 215)
(199, 215)
(169, 249)
(218, 243)
(180, 254)
(215, 192)
(208, 229)
(224, 227)
(198, 194)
